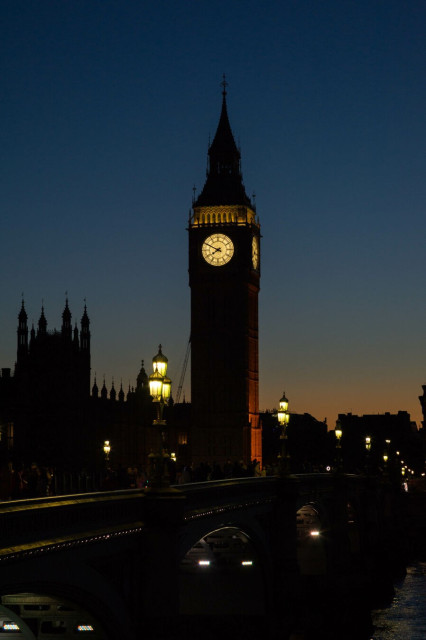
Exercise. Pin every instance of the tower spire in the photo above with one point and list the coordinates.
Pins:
(66, 321)
(22, 332)
(224, 85)
(42, 323)
(224, 184)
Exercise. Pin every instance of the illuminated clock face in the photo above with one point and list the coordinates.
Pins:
(255, 252)
(217, 249)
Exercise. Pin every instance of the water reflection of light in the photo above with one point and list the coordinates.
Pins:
(406, 616)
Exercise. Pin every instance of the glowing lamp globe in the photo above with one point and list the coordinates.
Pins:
(155, 381)
(159, 363)
(283, 404)
(167, 389)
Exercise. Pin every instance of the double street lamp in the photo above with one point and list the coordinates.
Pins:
(283, 420)
(160, 387)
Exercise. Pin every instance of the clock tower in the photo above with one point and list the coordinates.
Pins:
(224, 272)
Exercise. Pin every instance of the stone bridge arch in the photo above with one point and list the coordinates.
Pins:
(67, 591)
(312, 552)
(247, 521)
(224, 573)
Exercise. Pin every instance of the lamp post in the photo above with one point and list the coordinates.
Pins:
(160, 387)
(386, 458)
(368, 449)
(338, 433)
(283, 420)
(107, 449)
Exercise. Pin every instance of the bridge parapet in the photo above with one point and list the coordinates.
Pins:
(136, 542)
(33, 524)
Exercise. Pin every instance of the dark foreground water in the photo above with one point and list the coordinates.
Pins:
(405, 618)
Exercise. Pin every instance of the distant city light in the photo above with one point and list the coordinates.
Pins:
(247, 563)
(204, 563)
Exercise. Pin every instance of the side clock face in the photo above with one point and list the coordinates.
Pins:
(255, 252)
(217, 249)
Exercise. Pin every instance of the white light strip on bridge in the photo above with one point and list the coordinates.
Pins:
(85, 627)
(314, 533)
(247, 563)
(204, 563)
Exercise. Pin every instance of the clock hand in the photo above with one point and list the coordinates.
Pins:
(215, 248)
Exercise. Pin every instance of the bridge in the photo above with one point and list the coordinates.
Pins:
(260, 553)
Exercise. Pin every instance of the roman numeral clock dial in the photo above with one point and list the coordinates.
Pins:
(217, 249)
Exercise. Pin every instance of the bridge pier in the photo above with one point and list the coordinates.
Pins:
(158, 606)
(285, 584)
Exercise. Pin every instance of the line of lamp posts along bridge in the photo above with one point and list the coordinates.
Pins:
(160, 461)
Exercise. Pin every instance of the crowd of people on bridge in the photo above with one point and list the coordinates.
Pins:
(34, 481)
(20, 481)
(121, 478)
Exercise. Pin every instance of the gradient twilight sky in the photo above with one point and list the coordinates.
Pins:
(106, 111)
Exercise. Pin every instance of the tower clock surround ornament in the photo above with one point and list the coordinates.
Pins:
(255, 252)
(217, 249)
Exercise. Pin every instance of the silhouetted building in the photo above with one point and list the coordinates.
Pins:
(397, 428)
(423, 405)
(44, 403)
(308, 442)
(49, 415)
(224, 274)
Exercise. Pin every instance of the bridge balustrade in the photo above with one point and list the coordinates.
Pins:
(353, 516)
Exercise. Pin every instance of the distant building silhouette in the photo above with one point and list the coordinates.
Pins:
(422, 399)
(398, 428)
(49, 414)
(309, 443)
(43, 405)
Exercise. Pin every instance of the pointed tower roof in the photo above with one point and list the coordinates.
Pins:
(85, 322)
(142, 379)
(66, 322)
(42, 323)
(224, 184)
(22, 314)
(95, 390)
(104, 392)
(66, 314)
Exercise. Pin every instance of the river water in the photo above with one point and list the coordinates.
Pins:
(405, 618)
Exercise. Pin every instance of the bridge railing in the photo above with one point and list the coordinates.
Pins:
(61, 518)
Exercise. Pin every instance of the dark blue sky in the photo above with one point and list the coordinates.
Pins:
(106, 111)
